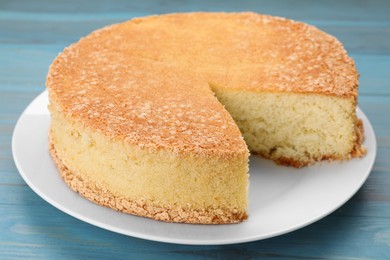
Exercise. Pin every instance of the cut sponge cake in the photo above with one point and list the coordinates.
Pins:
(295, 129)
(154, 116)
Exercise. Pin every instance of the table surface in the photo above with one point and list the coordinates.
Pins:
(33, 32)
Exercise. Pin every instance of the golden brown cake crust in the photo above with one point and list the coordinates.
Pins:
(147, 80)
(104, 197)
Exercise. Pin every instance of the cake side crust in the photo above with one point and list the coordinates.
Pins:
(104, 197)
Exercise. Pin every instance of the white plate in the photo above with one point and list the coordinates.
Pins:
(282, 199)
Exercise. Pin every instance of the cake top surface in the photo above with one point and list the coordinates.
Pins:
(147, 80)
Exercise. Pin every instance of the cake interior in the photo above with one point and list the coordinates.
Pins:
(293, 128)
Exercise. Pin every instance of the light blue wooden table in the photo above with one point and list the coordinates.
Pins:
(33, 32)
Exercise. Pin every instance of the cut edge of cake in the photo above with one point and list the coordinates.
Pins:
(296, 129)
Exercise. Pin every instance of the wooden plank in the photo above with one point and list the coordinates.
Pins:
(374, 10)
(70, 30)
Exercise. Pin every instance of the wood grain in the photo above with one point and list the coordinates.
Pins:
(33, 32)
